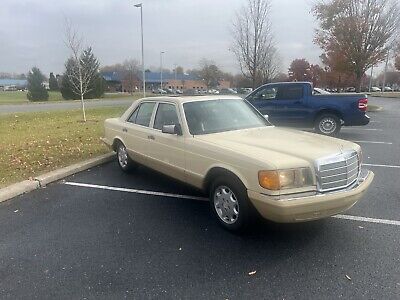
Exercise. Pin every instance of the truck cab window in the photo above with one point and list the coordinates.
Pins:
(290, 92)
(267, 93)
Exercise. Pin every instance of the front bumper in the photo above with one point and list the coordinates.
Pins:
(309, 208)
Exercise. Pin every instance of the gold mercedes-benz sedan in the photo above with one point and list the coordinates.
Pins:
(224, 146)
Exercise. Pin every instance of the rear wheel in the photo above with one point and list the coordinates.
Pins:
(124, 161)
(328, 124)
(230, 204)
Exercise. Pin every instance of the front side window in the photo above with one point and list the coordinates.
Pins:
(166, 115)
(204, 117)
(142, 115)
(267, 93)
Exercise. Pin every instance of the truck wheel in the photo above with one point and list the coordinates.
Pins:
(328, 124)
(229, 203)
(124, 161)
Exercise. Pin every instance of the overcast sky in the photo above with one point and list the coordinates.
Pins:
(32, 31)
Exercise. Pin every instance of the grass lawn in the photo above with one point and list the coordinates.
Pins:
(372, 107)
(35, 143)
(13, 97)
(19, 97)
(386, 94)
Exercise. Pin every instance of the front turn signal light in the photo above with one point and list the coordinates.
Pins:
(269, 180)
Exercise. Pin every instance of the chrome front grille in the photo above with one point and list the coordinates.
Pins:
(337, 172)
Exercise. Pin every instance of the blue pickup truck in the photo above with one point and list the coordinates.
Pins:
(296, 104)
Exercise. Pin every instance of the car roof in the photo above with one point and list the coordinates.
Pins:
(185, 99)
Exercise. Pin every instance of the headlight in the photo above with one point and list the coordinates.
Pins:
(285, 179)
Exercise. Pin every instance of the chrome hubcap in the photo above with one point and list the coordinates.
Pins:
(226, 205)
(122, 156)
(327, 125)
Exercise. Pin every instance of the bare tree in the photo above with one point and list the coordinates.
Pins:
(253, 40)
(356, 34)
(80, 75)
(131, 69)
(397, 56)
(210, 73)
(271, 67)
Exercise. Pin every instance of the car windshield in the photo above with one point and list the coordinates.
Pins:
(214, 116)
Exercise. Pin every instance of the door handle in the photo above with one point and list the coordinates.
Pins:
(124, 130)
(151, 137)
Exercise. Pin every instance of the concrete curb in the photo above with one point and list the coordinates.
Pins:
(27, 186)
(18, 189)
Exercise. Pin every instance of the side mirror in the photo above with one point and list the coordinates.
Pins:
(172, 129)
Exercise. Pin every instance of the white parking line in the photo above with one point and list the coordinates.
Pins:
(144, 192)
(368, 220)
(111, 188)
(368, 129)
(383, 166)
(373, 142)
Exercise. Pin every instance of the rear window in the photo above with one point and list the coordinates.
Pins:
(290, 92)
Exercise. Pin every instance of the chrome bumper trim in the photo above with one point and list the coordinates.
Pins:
(361, 178)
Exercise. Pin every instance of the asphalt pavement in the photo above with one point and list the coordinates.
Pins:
(103, 234)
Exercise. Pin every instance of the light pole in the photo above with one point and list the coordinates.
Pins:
(176, 83)
(384, 74)
(370, 79)
(175, 66)
(161, 53)
(143, 71)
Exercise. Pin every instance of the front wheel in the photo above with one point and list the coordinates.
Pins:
(328, 124)
(230, 204)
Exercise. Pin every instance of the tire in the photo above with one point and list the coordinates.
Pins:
(229, 203)
(124, 161)
(328, 124)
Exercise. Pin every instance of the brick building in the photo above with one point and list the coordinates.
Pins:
(118, 83)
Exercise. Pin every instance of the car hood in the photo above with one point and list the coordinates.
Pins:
(261, 142)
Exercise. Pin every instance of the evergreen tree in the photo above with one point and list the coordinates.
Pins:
(66, 88)
(89, 65)
(53, 84)
(36, 89)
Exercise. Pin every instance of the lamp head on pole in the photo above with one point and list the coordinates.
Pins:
(138, 5)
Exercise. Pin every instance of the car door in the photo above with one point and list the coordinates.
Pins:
(291, 105)
(167, 151)
(264, 99)
(137, 131)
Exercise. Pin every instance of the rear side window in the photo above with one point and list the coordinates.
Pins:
(142, 115)
(290, 92)
(166, 115)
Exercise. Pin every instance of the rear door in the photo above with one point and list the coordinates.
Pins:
(291, 105)
(138, 133)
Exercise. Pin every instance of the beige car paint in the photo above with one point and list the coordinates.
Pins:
(245, 152)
